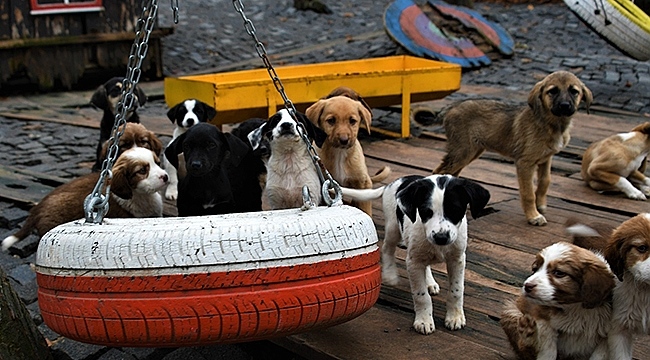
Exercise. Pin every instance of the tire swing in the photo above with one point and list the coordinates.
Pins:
(210, 279)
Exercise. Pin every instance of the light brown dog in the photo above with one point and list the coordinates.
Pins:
(530, 135)
(618, 162)
(340, 116)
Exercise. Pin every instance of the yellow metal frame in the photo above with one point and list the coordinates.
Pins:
(387, 81)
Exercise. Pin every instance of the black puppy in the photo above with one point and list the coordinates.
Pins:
(220, 176)
(106, 97)
(184, 115)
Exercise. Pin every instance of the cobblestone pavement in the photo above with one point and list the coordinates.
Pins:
(210, 38)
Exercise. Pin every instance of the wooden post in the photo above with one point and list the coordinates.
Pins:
(19, 337)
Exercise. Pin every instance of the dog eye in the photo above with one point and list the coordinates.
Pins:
(553, 91)
(353, 121)
(574, 91)
(143, 171)
(558, 273)
(331, 121)
(642, 249)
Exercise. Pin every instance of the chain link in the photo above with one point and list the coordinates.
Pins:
(96, 203)
(329, 185)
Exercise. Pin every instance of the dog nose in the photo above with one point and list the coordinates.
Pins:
(528, 288)
(564, 108)
(441, 238)
(189, 122)
(344, 140)
(196, 165)
(164, 178)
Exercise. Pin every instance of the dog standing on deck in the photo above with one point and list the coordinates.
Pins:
(106, 98)
(618, 163)
(184, 115)
(289, 166)
(530, 135)
(428, 215)
(340, 115)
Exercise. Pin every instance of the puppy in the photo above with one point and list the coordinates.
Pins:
(530, 135)
(137, 178)
(340, 117)
(263, 151)
(106, 98)
(628, 254)
(592, 236)
(289, 167)
(184, 115)
(219, 178)
(134, 135)
(564, 310)
(618, 163)
(428, 215)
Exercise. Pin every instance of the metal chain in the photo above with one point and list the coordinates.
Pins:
(329, 185)
(96, 203)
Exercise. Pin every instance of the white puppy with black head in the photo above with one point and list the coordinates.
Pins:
(428, 215)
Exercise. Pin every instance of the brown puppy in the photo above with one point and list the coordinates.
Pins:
(137, 180)
(134, 135)
(339, 117)
(617, 163)
(530, 135)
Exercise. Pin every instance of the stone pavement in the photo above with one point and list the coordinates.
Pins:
(210, 38)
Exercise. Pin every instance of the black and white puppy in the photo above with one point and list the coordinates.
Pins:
(106, 98)
(428, 215)
(184, 115)
(220, 178)
(289, 166)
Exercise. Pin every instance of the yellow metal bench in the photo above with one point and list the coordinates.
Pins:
(394, 80)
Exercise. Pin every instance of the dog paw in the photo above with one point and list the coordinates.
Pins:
(526, 326)
(538, 220)
(541, 209)
(171, 194)
(390, 277)
(455, 320)
(424, 324)
(637, 195)
(434, 289)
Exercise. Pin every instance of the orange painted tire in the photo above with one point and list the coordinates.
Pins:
(211, 279)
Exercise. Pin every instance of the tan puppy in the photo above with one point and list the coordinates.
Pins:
(530, 135)
(340, 117)
(617, 163)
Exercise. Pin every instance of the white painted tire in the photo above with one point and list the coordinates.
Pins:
(628, 29)
(209, 279)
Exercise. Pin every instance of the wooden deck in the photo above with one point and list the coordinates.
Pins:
(500, 253)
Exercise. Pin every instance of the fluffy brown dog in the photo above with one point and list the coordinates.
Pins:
(617, 163)
(530, 135)
(137, 180)
(340, 116)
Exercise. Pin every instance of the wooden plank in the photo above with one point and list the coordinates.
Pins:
(25, 187)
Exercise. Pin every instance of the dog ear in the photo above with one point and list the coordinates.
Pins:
(142, 97)
(597, 285)
(100, 98)
(171, 113)
(535, 97)
(255, 136)
(315, 111)
(614, 255)
(155, 143)
(478, 197)
(175, 148)
(643, 128)
(238, 148)
(210, 112)
(120, 181)
(366, 117)
(411, 197)
(315, 133)
(587, 96)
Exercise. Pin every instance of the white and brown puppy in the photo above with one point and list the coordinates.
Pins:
(340, 117)
(628, 254)
(106, 98)
(618, 163)
(529, 134)
(289, 167)
(428, 215)
(137, 180)
(564, 310)
(184, 115)
(134, 135)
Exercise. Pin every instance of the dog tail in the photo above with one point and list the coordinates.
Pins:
(363, 194)
(381, 175)
(24, 231)
(592, 237)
